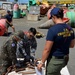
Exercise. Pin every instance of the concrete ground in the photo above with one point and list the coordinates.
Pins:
(24, 24)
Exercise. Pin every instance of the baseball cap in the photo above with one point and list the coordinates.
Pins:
(19, 34)
(54, 11)
(8, 11)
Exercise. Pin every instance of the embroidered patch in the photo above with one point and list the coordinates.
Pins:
(13, 44)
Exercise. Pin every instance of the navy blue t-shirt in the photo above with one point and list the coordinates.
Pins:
(9, 17)
(61, 35)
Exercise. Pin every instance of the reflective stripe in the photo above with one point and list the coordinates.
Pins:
(20, 58)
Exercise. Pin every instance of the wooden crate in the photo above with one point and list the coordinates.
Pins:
(32, 17)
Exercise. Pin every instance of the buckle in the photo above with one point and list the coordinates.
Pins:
(58, 57)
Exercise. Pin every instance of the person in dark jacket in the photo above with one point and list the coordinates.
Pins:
(9, 23)
(25, 47)
(8, 51)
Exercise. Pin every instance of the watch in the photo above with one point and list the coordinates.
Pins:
(41, 62)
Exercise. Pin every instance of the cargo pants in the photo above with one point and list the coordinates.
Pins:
(54, 65)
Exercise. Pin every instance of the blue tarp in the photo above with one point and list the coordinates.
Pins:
(21, 1)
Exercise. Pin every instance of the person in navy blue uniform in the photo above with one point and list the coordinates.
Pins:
(60, 38)
(8, 18)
